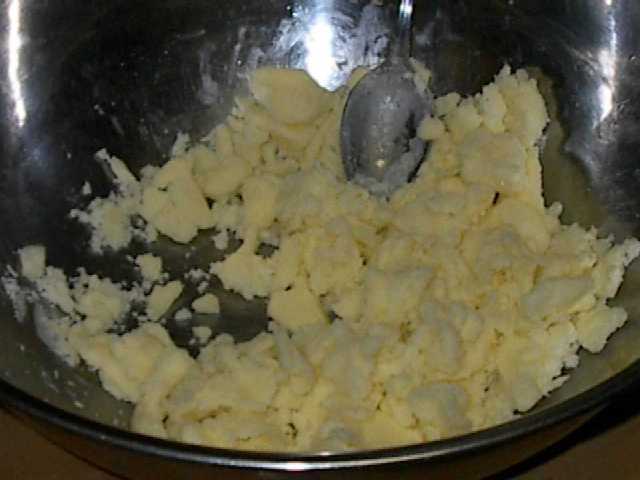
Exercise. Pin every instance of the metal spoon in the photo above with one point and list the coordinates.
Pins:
(379, 146)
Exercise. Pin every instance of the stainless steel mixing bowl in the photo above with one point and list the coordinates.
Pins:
(77, 76)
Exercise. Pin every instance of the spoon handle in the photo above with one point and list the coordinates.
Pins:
(402, 48)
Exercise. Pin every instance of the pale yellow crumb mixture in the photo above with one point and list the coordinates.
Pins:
(447, 309)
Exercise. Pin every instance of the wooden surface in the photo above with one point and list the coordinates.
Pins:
(28, 456)
(613, 454)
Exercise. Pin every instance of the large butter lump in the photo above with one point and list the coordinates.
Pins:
(497, 160)
(290, 96)
(174, 204)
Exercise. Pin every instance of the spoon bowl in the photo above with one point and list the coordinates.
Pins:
(379, 145)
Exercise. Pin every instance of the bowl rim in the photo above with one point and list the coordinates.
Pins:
(590, 399)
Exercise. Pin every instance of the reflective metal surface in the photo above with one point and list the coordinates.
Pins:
(77, 76)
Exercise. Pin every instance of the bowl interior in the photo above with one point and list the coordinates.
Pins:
(127, 77)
